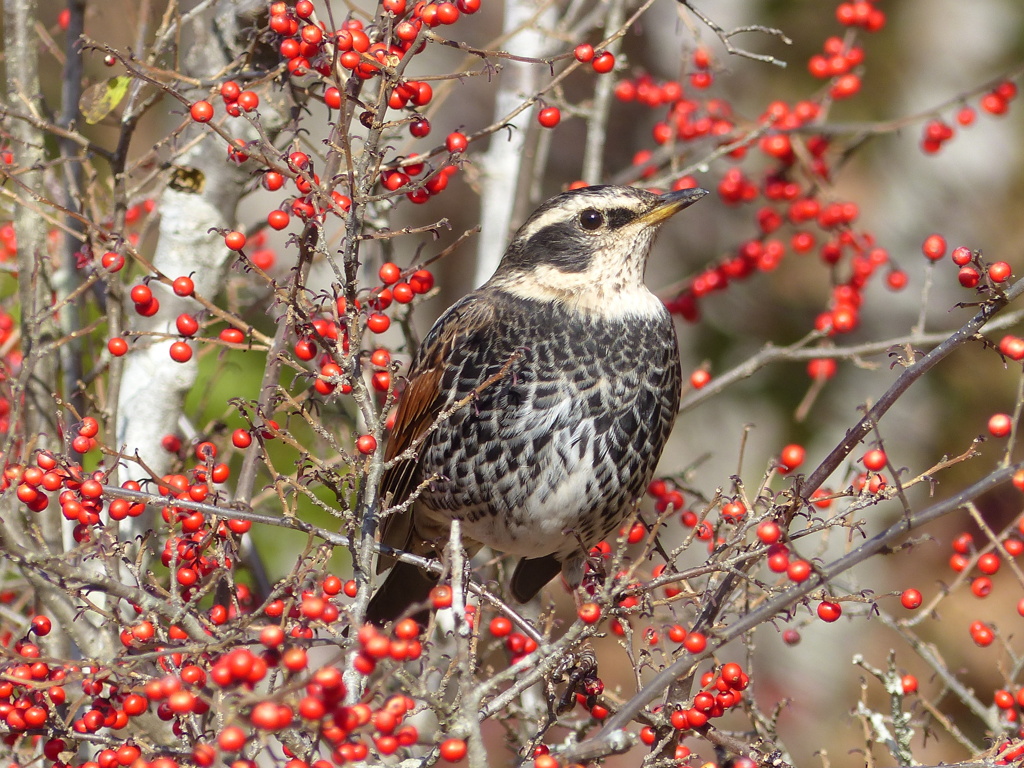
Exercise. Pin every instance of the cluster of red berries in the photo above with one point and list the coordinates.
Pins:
(974, 272)
(33, 694)
(308, 203)
(321, 702)
(80, 493)
(193, 556)
(938, 131)
(720, 693)
(837, 60)
(186, 688)
(790, 203)
(986, 564)
(186, 324)
(687, 119)
(436, 181)
(853, 255)
(602, 62)
(397, 286)
(861, 13)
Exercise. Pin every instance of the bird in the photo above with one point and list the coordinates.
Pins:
(537, 407)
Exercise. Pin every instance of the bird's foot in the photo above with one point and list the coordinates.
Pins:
(580, 669)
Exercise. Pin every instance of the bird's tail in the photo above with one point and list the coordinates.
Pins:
(406, 586)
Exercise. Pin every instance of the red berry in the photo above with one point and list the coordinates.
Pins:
(989, 563)
(875, 460)
(441, 597)
(180, 352)
(845, 86)
(389, 273)
(278, 219)
(1000, 424)
(798, 571)
(695, 642)
(700, 378)
(769, 532)
(112, 261)
(394, 180)
(184, 286)
(981, 586)
(456, 142)
(229, 91)
(234, 240)
(969, 277)
(403, 294)
(961, 256)
(792, 456)
(366, 444)
(378, 322)
(584, 52)
(41, 625)
(934, 247)
(908, 683)
(421, 281)
(90, 427)
(549, 117)
(272, 181)
(911, 599)
(821, 368)
(248, 100)
(117, 346)
(202, 111)
(896, 280)
(141, 294)
(447, 13)
(186, 324)
(1012, 347)
(829, 611)
(981, 634)
(993, 103)
(603, 63)
(500, 626)
(999, 271)
(589, 613)
(452, 750)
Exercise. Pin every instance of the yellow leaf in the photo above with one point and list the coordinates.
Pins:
(99, 99)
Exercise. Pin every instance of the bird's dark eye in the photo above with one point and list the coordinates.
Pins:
(591, 219)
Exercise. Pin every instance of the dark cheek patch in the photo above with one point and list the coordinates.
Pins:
(561, 246)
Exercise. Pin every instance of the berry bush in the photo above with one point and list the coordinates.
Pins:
(223, 228)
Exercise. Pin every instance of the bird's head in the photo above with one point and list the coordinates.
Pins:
(587, 245)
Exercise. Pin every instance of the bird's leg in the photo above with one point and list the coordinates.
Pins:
(581, 669)
(592, 572)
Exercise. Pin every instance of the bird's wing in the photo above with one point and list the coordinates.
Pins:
(421, 403)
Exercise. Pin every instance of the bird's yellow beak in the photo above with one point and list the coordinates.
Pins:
(671, 203)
